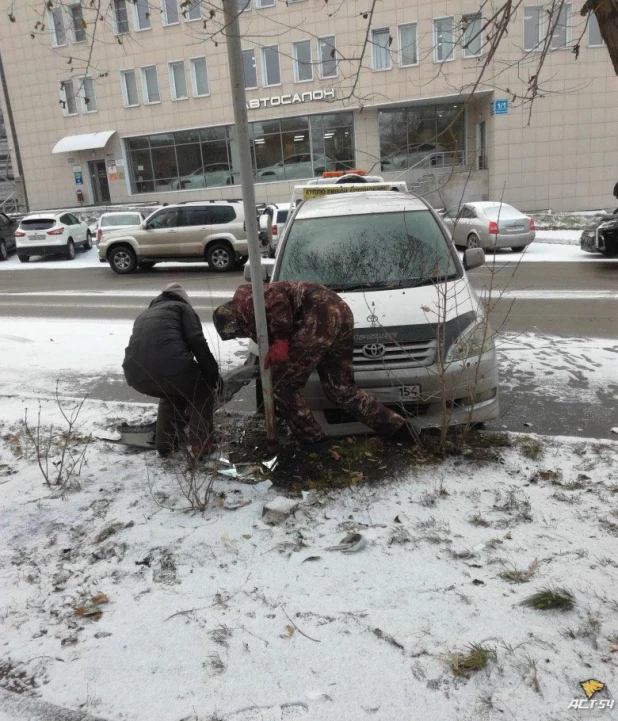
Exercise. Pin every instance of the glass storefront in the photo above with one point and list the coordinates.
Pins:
(282, 149)
(430, 135)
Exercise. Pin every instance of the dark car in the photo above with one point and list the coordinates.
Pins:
(602, 236)
(7, 235)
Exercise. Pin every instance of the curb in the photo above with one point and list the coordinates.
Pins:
(15, 707)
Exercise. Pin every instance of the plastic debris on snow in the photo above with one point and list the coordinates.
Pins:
(279, 510)
(350, 543)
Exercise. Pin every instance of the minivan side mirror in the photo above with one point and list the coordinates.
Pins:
(473, 258)
(247, 273)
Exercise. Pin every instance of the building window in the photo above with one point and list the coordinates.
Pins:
(121, 17)
(560, 21)
(266, 3)
(422, 136)
(56, 27)
(199, 77)
(170, 14)
(67, 97)
(241, 6)
(408, 54)
(192, 11)
(303, 67)
(380, 49)
(87, 95)
(128, 83)
(328, 56)
(472, 41)
(533, 21)
(443, 40)
(595, 39)
(78, 27)
(178, 80)
(150, 85)
(270, 65)
(141, 10)
(285, 149)
(249, 67)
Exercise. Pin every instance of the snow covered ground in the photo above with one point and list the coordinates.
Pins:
(221, 616)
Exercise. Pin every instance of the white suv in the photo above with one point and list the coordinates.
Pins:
(211, 231)
(51, 234)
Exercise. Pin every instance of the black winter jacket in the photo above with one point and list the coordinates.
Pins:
(167, 339)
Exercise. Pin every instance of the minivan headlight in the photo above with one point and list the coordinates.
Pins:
(475, 340)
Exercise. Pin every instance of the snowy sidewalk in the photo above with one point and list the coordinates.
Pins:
(16, 707)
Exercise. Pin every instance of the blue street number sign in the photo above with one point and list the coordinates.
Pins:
(499, 107)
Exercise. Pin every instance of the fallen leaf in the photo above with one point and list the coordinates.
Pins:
(426, 309)
(312, 558)
(289, 630)
(334, 454)
(99, 598)
(356, 477)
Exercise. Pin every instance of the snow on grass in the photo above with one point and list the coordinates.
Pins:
(219, 616)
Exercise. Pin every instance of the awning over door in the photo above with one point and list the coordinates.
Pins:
(87, 141)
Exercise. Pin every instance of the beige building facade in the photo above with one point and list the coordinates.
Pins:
(132, 103)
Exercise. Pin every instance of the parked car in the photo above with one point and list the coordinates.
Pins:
(209, 176)
(7, 235)
(489, 225)
(53, 233)
(118, 221)
(295, 167)
(272, 221)
(601, 236)
(420, 330)
(212, 231)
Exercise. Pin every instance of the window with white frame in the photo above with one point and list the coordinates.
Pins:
(56, 27)
(407, 44)
(560, 22)
(141, 12)
(595, 40)
(303, 67)
(444, 42)
(121, 17)
(192, 11)
(266, 3)
(170, 14)
(67, 97)
(380, 49)
(78, 27)
(199, 77)
(128, 84)
(271, 72)
(87, 95)
(249, 67)
(472, 41)
(533, 23)
(150, 85)
(178, 80)
(327, 50)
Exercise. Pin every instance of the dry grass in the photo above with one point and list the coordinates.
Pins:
(512, 574)
(532, 449)
(548, 599)
(474, 658)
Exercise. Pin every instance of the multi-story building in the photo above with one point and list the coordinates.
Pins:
(132, 102)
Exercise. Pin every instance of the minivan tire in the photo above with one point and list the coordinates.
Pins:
(24, 258)
(518, 248)
(69, 253)
(4, 253)
(88, 243)
(122, 260)
(221, 258)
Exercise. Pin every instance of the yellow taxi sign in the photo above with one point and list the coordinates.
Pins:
(318, 191)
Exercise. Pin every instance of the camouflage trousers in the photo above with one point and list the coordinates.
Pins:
(324, 342)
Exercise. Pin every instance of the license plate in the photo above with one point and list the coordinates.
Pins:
(516, 228)
(409, 393)
(36, 236)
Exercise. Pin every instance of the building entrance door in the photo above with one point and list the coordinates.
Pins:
(98, 180)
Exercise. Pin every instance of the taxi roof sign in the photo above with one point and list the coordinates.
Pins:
(345, 182)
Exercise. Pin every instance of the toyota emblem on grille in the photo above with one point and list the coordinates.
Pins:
(374, 350)
(373, 319)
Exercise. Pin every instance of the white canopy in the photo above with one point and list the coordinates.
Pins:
(87, 141)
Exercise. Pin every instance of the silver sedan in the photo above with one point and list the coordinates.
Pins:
(489, 225)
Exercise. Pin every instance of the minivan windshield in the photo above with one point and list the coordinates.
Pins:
(378, 250)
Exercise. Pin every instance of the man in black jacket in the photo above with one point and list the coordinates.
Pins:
(169, 358)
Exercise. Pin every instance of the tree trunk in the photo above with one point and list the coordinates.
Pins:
(606, 12)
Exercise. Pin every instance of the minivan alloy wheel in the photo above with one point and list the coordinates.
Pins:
(122, 260)
(221, 258)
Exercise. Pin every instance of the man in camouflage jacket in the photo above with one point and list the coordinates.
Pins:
(309, 327)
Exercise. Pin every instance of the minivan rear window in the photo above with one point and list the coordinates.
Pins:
(120, 219)
(379, 250)
(38, 224)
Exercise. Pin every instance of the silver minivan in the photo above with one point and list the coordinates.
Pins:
(422, 343)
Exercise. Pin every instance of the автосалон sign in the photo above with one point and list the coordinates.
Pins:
(290, 99)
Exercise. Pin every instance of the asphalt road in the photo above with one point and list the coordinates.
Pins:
(567, 299)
